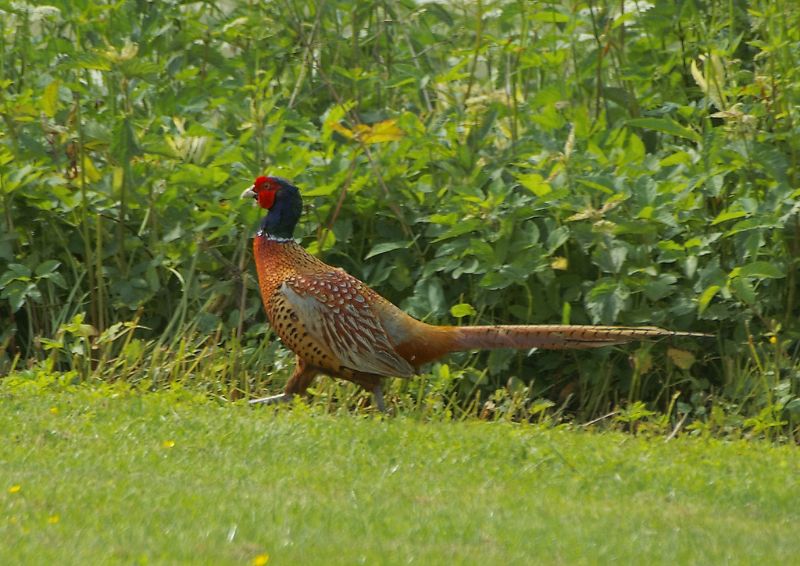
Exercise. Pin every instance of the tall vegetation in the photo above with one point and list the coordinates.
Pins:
(492, 161)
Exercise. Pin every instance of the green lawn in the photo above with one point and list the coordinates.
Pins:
(90, 477)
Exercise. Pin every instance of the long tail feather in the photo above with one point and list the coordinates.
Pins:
(556, 337)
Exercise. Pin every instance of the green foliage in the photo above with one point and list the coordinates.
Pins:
(499, 161)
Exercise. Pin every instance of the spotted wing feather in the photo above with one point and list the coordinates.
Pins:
(336, 309)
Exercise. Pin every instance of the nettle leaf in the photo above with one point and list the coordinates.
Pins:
(661, 287)
(535, 183)
(15, 271)
(18, 293)
(499, 361)
(494, 280)
(605, 301)
(557, 238)
(194, 175)
(610, 259)
(123, 141)
(773, 161)
(84, 60)
(744, 290)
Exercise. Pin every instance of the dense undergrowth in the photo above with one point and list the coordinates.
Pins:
(495, 161)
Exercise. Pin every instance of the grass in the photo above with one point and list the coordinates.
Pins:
(106, 475)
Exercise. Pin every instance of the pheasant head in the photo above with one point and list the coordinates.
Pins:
(283, 202)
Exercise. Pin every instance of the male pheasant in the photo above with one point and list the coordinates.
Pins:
(338, 326)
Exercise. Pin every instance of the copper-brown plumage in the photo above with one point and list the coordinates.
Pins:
(336, 325)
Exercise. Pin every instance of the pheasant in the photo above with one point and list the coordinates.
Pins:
(336, 325)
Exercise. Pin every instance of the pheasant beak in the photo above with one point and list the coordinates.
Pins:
(249, 192)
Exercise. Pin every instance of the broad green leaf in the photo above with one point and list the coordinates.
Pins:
(381, 132)
(681, 358)
(460, 229)
(665, 125)
(384, 247)
(147, 70)
(549, 17)
(91, 172)
(196, 176)
(322, 190)
(706, 296)
(18, 292)
(495, 280)
(611, 259)
(759, 223)
(535, 183)
(677, 158)
(328, 241)
(84, 60)
(557, 238)
(605, 301)
(761, 270)
(463, 309)
(47, 267)
(793, 407)
(50, 98)
(744, 290)
(595, 185)
(123, 141)
(728, 215)
(661, 287)
(15, 271)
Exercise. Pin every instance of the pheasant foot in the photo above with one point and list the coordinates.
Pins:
(273, 399)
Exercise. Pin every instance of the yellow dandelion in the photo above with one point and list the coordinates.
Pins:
(773, 339)
(260, 560)
(14, 489)
(53, 519)
(168, 443)
(53, 410)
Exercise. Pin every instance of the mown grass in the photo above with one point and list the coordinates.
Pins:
(106, 475)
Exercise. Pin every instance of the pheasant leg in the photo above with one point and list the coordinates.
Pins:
(377, 396)
(301, 378)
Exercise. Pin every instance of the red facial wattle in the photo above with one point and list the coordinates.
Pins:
(266, 197)
(265, 189)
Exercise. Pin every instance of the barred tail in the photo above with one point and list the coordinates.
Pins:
(555, 337)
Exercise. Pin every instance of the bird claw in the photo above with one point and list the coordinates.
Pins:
(272, 399)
